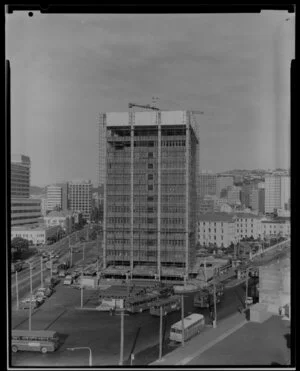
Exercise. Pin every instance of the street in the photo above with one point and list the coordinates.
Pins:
(58, 314)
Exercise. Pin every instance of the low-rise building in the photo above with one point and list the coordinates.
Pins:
(248, 225)
(277, 226)
(216, 229)
(35, 234)
(64, 219)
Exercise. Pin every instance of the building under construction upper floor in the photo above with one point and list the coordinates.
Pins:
(149, 167)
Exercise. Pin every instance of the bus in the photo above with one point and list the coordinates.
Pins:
(140, 303)
(192, 326)
(204, 298)
(37, 341)
(170, 304)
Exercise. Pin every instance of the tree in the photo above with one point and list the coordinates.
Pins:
(19, 244)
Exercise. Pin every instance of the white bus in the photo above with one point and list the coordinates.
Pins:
(192, 325)
(39, 341)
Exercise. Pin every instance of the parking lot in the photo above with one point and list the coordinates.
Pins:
(100, 331)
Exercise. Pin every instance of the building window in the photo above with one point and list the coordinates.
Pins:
(150, 154)
(150, 176)
(150, 187)
(150, 166)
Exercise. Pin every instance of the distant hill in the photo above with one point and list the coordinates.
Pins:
(35, 190)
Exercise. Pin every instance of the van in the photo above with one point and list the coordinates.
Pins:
(68, 280)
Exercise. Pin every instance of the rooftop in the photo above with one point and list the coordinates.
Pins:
(31, 227)
(55, 213)
(216, 217)
(188, 321)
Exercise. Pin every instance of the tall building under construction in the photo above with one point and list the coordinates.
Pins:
(149, 176)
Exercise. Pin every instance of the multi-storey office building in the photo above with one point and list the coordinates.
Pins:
(25, 211)
(257, 200)
(149, 190)
(277, 192)
(222, 182)
(54, 197)
(206, 185)
(233, 195)
(20, 176)
(80, 197)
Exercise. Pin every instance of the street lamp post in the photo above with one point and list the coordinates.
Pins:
(17, 290)
(81, 290)
(122, 339)
(215, 306)
(42, 283)
(182, 320)
(90, 355)
(30, 304)
(247, 277)
(160, 332)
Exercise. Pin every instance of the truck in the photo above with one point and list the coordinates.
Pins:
(68, 280)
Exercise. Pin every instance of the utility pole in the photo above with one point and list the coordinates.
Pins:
(246, 295)
(182, 320)
(215, 306)
(122, 339)
(71, 254)
(160, 332)
(17, 290)
(205, 274)
(30, 268)
(81, 290)
(42, 281)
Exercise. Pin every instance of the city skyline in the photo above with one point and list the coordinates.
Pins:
(66, 69)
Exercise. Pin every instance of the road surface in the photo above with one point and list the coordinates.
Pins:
(101, 332)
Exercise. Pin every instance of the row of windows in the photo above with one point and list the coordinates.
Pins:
(13, 204)
(26, 211)
(24, 217)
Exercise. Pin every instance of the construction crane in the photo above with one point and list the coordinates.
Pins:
(147, 106)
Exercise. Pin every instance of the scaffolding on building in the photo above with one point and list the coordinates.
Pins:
(149, 194)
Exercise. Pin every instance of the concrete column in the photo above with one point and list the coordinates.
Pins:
(158, 119)
(103, 123)
(187, 166)
(131, 122)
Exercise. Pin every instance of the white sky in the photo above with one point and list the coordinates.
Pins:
(67, 68)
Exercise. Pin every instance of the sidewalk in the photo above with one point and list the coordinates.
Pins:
(199, 344)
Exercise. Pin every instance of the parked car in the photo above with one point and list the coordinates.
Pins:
(26, 304)
(40, 299)
(61, 273)
(68, 280)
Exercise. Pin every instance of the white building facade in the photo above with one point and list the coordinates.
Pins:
(248, 225)
(54, 197)
(216, 229)
(63, 219)
(36, 235)
(281, 226)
